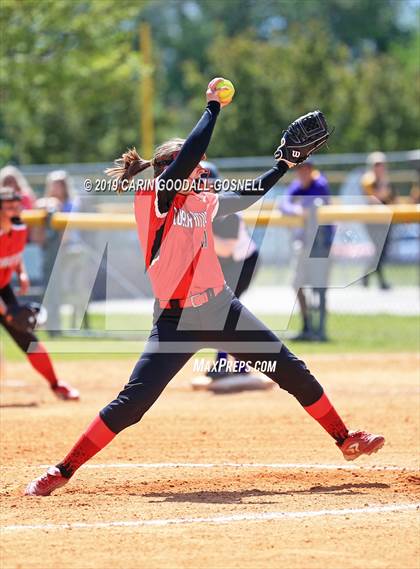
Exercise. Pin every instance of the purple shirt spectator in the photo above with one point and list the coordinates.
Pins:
(308, 187)
(297, 196)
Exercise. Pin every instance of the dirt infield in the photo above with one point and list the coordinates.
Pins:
(244, 480)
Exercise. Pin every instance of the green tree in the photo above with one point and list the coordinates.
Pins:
(68, 79)
(70, 72)
(371, 101)
(356, 23)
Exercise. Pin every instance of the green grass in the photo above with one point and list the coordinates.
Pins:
(396, 275)
(348, 333)
(359, 333)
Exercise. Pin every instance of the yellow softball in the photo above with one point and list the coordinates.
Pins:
(227, 90)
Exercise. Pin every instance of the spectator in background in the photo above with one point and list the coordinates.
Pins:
(11, 177)
(376, 186)
(309, 189)
(57, 198)
(415, 194)
(57, 192)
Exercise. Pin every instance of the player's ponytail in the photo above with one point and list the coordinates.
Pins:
(129, 165)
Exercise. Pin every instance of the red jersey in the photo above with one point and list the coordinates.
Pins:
(12, 245)
(178, 246)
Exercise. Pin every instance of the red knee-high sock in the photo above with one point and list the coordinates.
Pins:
(323, 412)
(40, 360)
(95, 438)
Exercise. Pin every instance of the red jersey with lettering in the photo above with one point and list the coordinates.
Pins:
(178, 246)
(12, 244)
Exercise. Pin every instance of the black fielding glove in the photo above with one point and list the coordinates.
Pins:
(23, 317)
(302, 137)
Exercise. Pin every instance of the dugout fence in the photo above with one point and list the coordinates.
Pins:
(103, 218)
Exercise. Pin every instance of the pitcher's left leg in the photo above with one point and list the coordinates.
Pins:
(292, 374)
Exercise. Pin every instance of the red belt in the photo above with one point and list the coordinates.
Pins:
(193, 301)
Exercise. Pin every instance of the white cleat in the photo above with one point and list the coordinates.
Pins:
(232, 383)
(45, 484)
(65, 392)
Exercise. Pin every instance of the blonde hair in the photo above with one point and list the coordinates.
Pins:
(21, 181)
(131, 163)
(63, 178)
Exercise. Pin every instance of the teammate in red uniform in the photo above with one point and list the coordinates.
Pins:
(194, 308)
(13, 234)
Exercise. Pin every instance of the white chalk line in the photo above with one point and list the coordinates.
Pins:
(13, 383)
(275, 465)
(252, 517)
(280, 466)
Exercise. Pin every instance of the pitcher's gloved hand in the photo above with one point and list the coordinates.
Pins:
(302, 137)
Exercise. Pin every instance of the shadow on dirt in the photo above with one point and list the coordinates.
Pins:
(237, 496)
(340, 487)
(17, 405)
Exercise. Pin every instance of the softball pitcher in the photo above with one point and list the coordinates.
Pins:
(193, 307)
